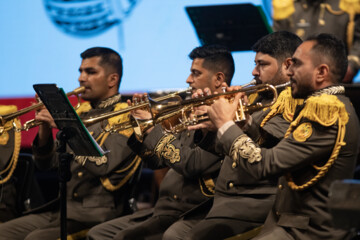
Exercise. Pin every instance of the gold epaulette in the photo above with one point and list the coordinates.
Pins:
(351, 7)
(121, 118)
(4, 138)
(116, 120)
(4, 110)
(285, 105)
(84, 107)
(282, 9)
(325, 110)
(7, 109)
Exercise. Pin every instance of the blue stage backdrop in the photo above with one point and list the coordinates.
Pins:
(41, 42)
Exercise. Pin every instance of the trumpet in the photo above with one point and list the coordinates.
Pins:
(32, 123)
(177, 117)
(147, 102)
(152, 105)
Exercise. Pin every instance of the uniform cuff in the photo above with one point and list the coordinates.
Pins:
(224, 127)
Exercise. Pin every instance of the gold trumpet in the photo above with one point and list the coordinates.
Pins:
(175, 118)
(154, 106)
(32, 123)
(145, 104)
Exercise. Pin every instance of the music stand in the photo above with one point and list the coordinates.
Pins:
(72, 132)
(236, 26)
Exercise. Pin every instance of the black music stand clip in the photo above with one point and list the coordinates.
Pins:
(72, 132)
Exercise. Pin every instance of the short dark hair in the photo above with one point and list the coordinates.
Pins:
(279, 45)
(331, 51)
(216, 58)
(109, 58)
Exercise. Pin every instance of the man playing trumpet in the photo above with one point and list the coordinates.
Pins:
(187, 188)
(319, 147)
(97, 191)
(241, 202)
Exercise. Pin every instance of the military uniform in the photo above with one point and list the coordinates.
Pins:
(338, 17)
(9, 148)
(98, 189)
(186, 188)
(241, 201)
(319, 147)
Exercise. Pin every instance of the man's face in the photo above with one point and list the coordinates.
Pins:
(201, 77)
(268, 70)
(95, 80)
(302, 71)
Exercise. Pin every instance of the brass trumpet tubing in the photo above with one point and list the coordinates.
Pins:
(36, 106)
(10, 116)
(184, 119)
(173, 95)
(33, 123)
(101, 117)
(176, 117)
(153, 106)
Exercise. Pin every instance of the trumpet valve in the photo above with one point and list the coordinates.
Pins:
(223, 89)
(240, 113)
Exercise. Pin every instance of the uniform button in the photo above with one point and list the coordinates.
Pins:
(80, 174)
(277, 213)
(234, 165)
(175, 196)
(188, 134)
(221, 161)
(76, 194)
(231, 185)
(280, 186)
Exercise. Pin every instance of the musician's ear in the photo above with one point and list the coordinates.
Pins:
(113, 79)
(220, 78)
(286, 64)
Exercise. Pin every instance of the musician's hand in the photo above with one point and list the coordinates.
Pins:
(221, 111)
(140, 113)
(201, 93)
(43, 115)
(199, 112)
(243, 95)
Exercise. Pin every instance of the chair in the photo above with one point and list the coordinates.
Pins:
(27, 189)
(134, 182)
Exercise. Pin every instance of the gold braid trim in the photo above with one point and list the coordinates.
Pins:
(109, 186)
(325, 110)
(85, 107)
(207, 186)
(4, 135)
(14, 158)
(282, 9)
(285, 105)
(165, 150)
